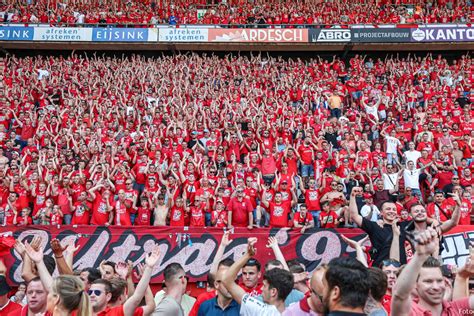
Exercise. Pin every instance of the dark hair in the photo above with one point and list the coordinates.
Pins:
(415, 204)
(35, 279)
(281, 280)
(296, 268)
(171, 271)
(352, 279)
(273, 262)
(210, 280)
(378, 283)
(385, 203)
(431, 262)
(227, 262)
(110, 263)
(105, 283)
(94, 274)
(253, 263)
(49, 263)
(118, 287)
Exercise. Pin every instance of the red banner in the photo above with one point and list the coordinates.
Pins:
(259, 35)
(194, 248)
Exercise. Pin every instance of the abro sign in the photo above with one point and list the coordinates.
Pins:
(330, 35)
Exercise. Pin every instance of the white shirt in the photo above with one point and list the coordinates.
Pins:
(389, 181)
(412, 155)
(392, 144)
(365, 211)
(411, 178)
(251, 306)
(42, 73)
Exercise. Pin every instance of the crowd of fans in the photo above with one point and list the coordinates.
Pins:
(345, 286)
(64, 13)
(190, 140)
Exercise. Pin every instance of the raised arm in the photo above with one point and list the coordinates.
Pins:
(273, 244)
(229, 277)
(37, 257)
(353, 210)
(395, 245)
(134, 301)
(357, 245)
(225, 241)
(426, 244)
(454, 220)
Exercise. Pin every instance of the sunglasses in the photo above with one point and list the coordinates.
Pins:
(95, 292)
(390, 262)
(312, 291)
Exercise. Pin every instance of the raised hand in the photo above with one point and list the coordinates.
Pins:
(251, 251)
(356, 244)
(20, 248)
(225, 241)
(139, 271)
(152, 258)
(121, 268)
(36, 242)
(71, 247)
(35, 255)
(426, 242)
(57, 248)
(272, 242)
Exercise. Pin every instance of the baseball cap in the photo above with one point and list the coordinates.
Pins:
(367, 196)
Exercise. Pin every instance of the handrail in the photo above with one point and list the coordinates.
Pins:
(245, 26)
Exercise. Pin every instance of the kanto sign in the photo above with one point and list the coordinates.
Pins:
(259, 35)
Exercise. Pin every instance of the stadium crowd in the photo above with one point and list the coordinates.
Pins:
(190, 140)
(77, 13)
(344, 286)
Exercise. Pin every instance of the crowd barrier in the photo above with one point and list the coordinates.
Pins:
(194, 248)
(429, 33)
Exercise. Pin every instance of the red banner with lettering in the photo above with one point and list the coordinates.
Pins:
(194, 248)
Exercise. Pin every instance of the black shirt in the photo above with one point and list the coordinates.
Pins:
(381, 239)
(380, 197)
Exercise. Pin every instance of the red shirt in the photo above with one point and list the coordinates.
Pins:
(279, 214)
(100, 216)
(240, 211)
(81, 213)
(118, 311)
(219, 218)
(10, 308)
(465, 211)
(197, 216)
(143, 217)
(453, 308)
(312, 197)
(177, 216)
(122, 217)
(328, 219)
(303, 220)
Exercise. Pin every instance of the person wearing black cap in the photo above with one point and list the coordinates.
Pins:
(6, 306)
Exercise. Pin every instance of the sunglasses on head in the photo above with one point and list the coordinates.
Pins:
(391, 262)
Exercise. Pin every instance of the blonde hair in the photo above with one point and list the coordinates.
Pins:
(70, 290)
